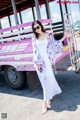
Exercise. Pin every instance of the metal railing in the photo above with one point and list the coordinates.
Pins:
(72, 43)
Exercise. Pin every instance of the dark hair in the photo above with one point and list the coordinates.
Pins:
(40, 24)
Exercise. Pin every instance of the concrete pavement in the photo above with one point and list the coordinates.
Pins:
(26, 105)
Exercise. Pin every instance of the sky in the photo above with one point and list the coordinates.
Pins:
(54, 10)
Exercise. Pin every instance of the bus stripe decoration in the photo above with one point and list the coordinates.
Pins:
(16, 47)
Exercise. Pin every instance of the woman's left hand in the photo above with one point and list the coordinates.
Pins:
(62, 39)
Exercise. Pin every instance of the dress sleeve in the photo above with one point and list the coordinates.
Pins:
(36, 55)
(57, 45)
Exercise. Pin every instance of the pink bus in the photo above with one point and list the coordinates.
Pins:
(16, 52)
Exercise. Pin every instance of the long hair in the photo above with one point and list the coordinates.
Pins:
(40, 24)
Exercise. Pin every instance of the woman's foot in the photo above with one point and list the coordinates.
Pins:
(49, 104)
(44, 108)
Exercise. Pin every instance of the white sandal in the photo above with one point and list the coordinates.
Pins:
(49, 104)
(44, 110)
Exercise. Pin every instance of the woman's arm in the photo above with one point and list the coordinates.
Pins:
(63, 38)
(37, 60)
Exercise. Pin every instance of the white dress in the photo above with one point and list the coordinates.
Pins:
(46, 77)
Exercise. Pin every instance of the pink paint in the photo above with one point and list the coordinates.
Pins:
(63, 55)
(1, 46)
(13, 48)
(27, 59)
(7, 59)
(30, 59)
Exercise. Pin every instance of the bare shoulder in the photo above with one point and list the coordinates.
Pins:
(48, 35)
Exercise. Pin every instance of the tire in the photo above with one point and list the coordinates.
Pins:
(15, 79)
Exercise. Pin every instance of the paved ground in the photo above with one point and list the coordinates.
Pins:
(26, 105)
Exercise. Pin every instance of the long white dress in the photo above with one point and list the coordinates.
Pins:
(46, 77)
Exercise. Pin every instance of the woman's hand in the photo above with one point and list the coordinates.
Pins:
(63, 38)
(39, 66)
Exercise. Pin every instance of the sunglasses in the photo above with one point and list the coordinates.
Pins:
(37, 27)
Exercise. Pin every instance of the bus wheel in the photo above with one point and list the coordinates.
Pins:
(15, 79)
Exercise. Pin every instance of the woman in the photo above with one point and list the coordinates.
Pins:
(42, 62)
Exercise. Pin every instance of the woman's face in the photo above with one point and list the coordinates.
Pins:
(37, 28)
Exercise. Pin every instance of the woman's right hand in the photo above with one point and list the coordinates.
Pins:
(38, 66)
